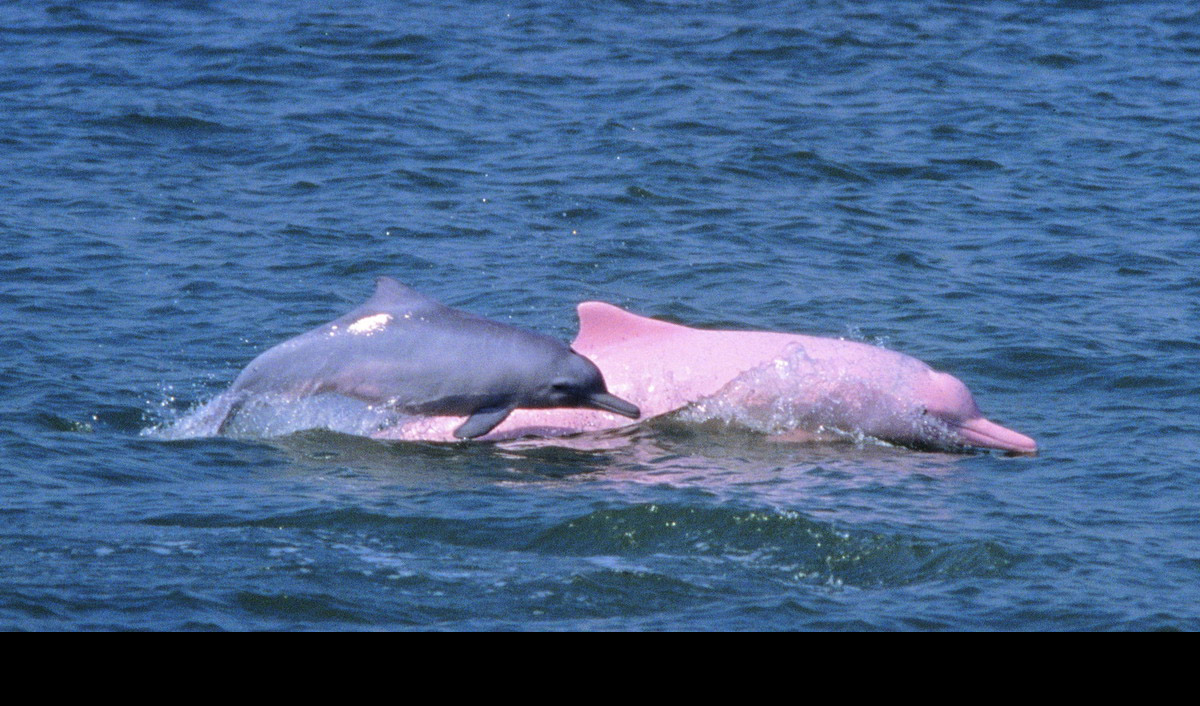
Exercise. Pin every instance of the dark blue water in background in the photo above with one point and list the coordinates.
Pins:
(1009, 191)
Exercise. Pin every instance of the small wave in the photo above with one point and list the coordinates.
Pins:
(300, 608)
(786, 543)
(166, 123)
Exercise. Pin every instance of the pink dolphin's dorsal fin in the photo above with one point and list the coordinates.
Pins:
(603, 325)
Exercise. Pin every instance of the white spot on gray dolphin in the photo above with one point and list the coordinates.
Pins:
(412, 353)
(370, 324)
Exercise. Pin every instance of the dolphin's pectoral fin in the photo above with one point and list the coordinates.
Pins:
(482, 421)
(227, 416)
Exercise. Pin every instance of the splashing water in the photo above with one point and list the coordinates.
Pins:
(270, 416)
(812, 398)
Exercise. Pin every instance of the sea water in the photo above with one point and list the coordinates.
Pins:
(1009, 191)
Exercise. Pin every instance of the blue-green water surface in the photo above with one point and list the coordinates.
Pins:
(1009, 191)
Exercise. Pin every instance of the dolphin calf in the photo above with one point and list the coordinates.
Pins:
(792, 386)
(408, 352)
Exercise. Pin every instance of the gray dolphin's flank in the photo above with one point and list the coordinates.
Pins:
(412, 353)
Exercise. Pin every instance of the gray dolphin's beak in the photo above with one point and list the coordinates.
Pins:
(614, 404)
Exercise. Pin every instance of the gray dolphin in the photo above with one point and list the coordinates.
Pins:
(406, 350)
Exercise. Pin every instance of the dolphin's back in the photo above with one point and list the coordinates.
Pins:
(405, 349)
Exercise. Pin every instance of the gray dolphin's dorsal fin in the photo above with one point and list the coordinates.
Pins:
(482, 421)
(390, 295)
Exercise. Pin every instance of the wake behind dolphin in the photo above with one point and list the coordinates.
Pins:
(404, 351)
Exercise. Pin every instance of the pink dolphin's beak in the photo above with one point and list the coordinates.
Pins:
(989, 435)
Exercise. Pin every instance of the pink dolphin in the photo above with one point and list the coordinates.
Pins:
(788, 385)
